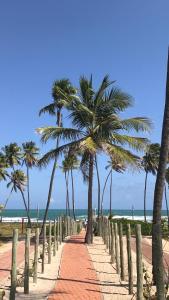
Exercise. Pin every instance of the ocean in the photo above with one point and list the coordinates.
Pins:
(16, 215)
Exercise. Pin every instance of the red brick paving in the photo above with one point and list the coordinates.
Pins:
(77, 279)
(5, 260)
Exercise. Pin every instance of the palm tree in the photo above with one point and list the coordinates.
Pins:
(12, 153)
(73, 164)
(157, 253)
(98, 128)
(18, 181)
(3, 175)
(117, 165)
(150, 164)
(30, 159)
(62, 93)
(65, 169)
(3, 167)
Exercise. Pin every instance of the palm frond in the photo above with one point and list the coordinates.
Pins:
(53, 132)
(125, 156)
(50, 109)
(137, 124)
(54, 153)
(118, 100)
(102, 89)
(136, 143)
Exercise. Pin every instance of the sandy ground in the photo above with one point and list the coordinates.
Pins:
(111, 285)
(45, 283)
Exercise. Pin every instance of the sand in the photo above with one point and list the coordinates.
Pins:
(111, 285)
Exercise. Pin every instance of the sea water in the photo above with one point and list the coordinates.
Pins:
(16, 215)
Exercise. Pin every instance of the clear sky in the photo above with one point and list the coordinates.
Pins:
(41, 41)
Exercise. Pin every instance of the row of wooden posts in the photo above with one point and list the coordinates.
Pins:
(61, 228)
(112, 234)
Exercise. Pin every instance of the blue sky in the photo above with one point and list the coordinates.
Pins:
(41, 41)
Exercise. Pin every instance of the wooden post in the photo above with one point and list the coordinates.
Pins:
(36, 256)
(139, 262)
(121, 251)
(60, 231)
(43, 248)
(112, 243)
(55, 237)
(49, 243)
(61, 227)
(2, 294)
(26, 270)
(117, 249)
(130, 265)
(57, 234)
(14, 265)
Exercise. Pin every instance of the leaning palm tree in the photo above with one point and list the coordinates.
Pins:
(150, 164)
(62, 93)
(30, 159)
(117, 165)
(97, 128)
(157, 253)
(18, 181)
(12, 154)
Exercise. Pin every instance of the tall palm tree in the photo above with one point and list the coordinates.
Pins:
(157, 253)
(65, 169)
(62, 92)
(150, 164)
(98, 128)
(12, 154)
(18, 181)
(117, 165)
(30, 159)
(73, 164)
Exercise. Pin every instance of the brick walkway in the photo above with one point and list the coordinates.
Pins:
(77, 279)
(5, 260)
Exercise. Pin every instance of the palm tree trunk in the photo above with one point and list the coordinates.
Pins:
(73, 195)
(49, 194)
(26, 208)
(6, 202)
(145, 190)
(104, 191)
(59, 122)
(166, 202)
(67, 193)
(157, 255)
(110, 212)
(98, 207)
(28, 190)
(89, 232)
(98, 184)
